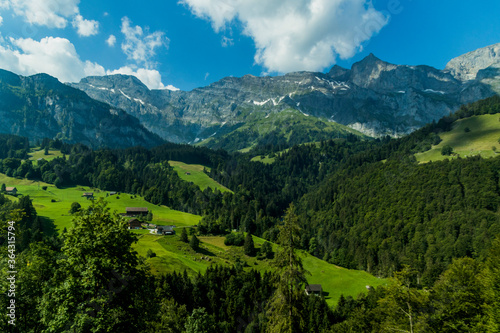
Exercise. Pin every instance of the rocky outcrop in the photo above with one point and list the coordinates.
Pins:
(467, 66)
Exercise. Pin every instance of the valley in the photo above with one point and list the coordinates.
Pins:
(353, 200)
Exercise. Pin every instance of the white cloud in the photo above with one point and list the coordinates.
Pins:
(1, 20)
(225, 42)
(298, 34)
(111, 41)
(140, 46)
(85, 27)
(50, 13)
(150, 77)
(54, 56)
(58, 57)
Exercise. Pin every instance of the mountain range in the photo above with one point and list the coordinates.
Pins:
(373, 98)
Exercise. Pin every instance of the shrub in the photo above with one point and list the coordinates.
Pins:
(75, 207)
(236, 239)
(447, 150)
(150, 254)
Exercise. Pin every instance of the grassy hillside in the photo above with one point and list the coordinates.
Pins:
(172, 254)
(194, 173)
(269, 159)
(476, 135)
(56, 213)
(290, 126)
(37, 153)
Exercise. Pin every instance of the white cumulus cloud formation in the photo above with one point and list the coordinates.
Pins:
(297, 34)
(52, 55)
(111, 41)
(140, 45)
(150, 77)
(58, 57)
(52, 14)
(84, 27)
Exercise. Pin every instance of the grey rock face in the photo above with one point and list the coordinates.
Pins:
(467, 66)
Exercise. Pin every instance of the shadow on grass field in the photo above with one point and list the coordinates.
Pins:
(478, 135)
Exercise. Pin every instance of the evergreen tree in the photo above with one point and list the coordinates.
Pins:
(2, 189)
(249, 245)
(194, 243)
(286, 305)
(184, 235)
(266, 250)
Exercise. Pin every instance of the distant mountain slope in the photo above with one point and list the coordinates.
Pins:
(40, 107)
(374, 97)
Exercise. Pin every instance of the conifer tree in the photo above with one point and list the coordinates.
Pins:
(184, 235)
(194, 243)
(249, 245)
(286, 305)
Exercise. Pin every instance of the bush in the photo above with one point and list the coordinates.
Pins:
(75, 207)
(236, 239)
(447, 150)
(466, 130)
(150, 254)
(44, 188)
(266, 250)
(53, 200)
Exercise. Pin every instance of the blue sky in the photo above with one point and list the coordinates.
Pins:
(185, 44)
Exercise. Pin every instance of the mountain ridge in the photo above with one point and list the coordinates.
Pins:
(39, 106)
(374, 97)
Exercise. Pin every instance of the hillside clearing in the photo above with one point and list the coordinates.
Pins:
(472, 136)
(194, 173)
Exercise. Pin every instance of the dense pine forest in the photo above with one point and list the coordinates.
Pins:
(365, 204)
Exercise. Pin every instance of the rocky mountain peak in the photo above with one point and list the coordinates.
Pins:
(467, 66)
(338, 73)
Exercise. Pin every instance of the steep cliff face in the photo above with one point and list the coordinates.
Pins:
(40, 106)
(374, 97)
(467, 66)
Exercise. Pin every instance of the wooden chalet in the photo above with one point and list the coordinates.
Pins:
(314, 289)
(136, 211)
(165, 230)
(88, 195)
(134, 224)
(11, 190)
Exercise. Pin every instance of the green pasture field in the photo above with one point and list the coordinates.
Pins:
(56, 214)
(194, 173)
(483, 134)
